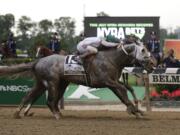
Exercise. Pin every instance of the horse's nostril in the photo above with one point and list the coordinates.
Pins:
(143, 50)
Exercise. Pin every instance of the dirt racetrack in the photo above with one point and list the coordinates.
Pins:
(91, 122)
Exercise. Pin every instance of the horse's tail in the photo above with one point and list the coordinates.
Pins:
(14, 69)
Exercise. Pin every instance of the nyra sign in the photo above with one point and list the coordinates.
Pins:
(164, 78)
(121, 32)
(120, 27)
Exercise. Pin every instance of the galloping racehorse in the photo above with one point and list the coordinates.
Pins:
(43, 51)
(104, 70)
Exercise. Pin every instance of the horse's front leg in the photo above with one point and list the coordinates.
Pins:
(131, 90)
(121, 92)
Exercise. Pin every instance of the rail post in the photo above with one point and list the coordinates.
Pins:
(147, 92)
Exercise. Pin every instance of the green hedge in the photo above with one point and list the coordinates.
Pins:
(11, 61)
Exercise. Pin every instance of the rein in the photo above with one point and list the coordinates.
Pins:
(122, 46)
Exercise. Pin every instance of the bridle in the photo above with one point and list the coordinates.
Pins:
(122, 46)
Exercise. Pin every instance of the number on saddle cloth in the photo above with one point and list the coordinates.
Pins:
(72, 67)
(71, 59)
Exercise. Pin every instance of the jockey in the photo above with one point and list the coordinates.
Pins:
(89, 46)
(11, 44)
(54, 44)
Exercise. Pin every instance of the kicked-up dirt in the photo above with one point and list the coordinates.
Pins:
(91, 122)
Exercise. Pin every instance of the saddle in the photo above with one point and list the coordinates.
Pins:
(74, 65)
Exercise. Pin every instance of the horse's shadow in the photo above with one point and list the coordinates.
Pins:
(93, 117)
(110, 118)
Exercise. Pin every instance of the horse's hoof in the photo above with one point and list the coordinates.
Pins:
(128, 111)
(141, 113)
(31, 114)
(16, 115)
(138, 116)
(131, 110)
(57, 116)
(28, 114)
(61, 115)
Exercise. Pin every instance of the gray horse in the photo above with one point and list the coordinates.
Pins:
(103, 69)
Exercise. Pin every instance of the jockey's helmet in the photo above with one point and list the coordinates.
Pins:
(111, 38)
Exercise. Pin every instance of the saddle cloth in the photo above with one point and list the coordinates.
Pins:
(72, 67)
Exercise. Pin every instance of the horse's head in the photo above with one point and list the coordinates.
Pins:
(42, 51)
(141, 55)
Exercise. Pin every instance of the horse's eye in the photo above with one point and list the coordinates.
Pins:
(143, 50)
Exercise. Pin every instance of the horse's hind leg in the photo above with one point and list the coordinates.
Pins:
(31, 96)
(56, 91)
(35, 95)
(62, 87)
(53, 94)
(26, 110)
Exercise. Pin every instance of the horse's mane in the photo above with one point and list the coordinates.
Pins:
(104, 48)
(127, 41)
